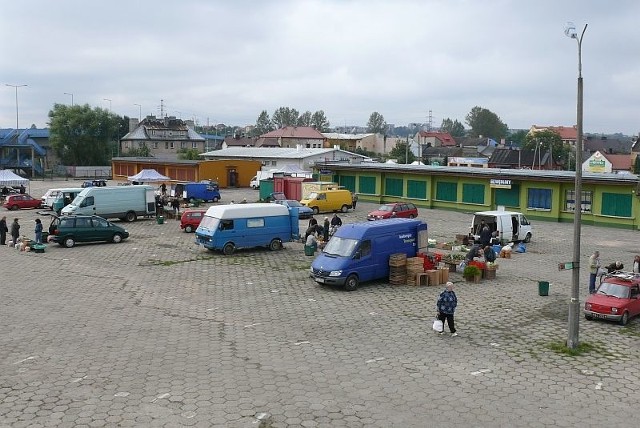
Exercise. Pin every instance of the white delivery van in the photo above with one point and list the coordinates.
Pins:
(123, 202)
(512, 226)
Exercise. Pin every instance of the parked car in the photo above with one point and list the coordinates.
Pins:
(67, 230)
(303, 211)
(49, 197)
(94, 183)
(20, 201)
(394, 210)
(191, 219)
(617, 298)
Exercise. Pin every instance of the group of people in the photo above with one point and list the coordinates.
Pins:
(596, 269)
(15, 231)
(316, 231)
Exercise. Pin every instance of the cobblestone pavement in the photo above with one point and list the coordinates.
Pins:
(156, 331)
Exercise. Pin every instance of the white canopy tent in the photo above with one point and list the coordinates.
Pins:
(9, 178)
(148, 176)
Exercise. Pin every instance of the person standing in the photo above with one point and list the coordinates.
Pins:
(354, 200)
(22, 189)
(38, 231)
(3, 230)
(594, 266)
(446, 305)
(325, 229)
(15, 231)
(485, 236)
(636, 264)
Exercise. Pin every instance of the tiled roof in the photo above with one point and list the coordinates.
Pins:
(607, 145)
(565, 132)
(445, 138)
(305, 132)
(240, 142)
(275, 152)
(619, 162)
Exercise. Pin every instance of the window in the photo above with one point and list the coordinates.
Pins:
(570, 200)
(255, 222)
(508, 197)
(83, 222)
(349, 182)
(194, 145)
(321, 196)
(226, 224)
(166, 145)
(87, 202)
(446, 191)
(183, 145)
(367, 185)
(393, 186)
(155, 144)
(416, 189)
(539, 199)
(616, 204)
(172, 145)
(100, 222)
(473, 193)
(365, 248)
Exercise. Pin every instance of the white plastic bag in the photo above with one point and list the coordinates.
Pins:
(438, 325)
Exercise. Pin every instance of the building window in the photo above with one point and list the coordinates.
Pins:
(509, 197)
(274, 163)
(183, 145)
(446, 191)
(194, 145)
(172, 145)
(166, 145)
(570, 201)
(367, 185)
(416, 189)
(539, 199)
(155, 144)
(472, 193)
(393, 186)
(616, 204)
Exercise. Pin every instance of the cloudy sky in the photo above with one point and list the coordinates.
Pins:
(226, 61)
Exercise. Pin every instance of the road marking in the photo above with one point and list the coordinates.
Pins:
(26, 359)
(121, 394)
(481, 371)
(374, 360)
(275, 291)
(304, 342)
(252, 325)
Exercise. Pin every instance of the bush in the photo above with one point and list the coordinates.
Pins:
(470, 271)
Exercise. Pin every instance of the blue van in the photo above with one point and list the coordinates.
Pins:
(360, 252)
(227, 227)
(206, 191)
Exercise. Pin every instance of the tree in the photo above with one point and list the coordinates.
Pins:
(305, 119)
(376, 123)
(285, 116)
(320, 122)
(454, 128)
(401, 154)
(82, 136)
(188, 154)
(263, 124)
(548, 141)
(518, 137)
(636, 165)
(485, 123)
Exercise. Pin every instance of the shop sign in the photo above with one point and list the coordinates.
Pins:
(500, 183)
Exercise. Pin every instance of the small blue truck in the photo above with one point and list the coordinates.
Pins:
(206, 191)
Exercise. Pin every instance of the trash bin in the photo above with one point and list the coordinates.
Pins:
(309, 250)
(543, 288)
(160, 219)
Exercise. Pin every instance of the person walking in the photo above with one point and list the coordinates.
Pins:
(594, 267)
(446, 305)
(15, 231)
(3, 230)
(38, 231)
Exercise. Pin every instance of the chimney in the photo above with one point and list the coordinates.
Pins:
(133, 123)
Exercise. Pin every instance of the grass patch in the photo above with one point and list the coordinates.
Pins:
(630, 331)
(582, 348)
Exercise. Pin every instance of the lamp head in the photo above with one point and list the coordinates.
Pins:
(570, 30)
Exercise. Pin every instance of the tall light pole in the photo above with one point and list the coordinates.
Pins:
(140, 112)
(69, 93)
(16, 87)
(574, 304)
(107, 99)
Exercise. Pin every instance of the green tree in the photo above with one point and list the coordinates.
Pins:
(548, 141)
(285, 116)
(453, 127)
(376, 123)
(401, 154)
(320, 122)
(82, 136)
(518, 137)
(188, 154)
(305, 119)
(137, 152)
(263, 124)
(485, 123)
(636, 165)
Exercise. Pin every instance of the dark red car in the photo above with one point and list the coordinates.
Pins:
(394, 210)
(16, 202)
(616, 299)
(191, 219)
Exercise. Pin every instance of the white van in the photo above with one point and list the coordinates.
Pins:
(49, 197)
(123, 202)
(512, 226)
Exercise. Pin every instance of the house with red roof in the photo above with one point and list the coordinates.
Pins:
(568, 134)
(292, 137)
(435, 139)
(605, 162)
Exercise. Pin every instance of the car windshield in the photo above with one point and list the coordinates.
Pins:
(614, 290)
(209, 223)
(342, 247)
(385, 208)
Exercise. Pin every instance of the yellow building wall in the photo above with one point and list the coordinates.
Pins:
(222, 170)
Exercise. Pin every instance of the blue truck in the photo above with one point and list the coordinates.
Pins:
(228, 227)
(206, 191)
(360, 252)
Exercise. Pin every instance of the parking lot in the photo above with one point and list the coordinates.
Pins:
(156, 331)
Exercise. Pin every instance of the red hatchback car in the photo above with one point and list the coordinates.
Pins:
(16, 202)
(191, 219)
(616, 299)
(394, 210)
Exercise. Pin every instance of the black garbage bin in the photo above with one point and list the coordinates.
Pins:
(543, 288)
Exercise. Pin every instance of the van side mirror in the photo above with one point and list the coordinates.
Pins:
(357, 255)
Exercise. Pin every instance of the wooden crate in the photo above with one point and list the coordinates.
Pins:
(434, 277)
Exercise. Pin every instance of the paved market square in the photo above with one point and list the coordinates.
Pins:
(158, 332)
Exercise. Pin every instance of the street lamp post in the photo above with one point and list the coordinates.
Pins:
(16, 87)
(140, 112)
(69, 93)
(107, 99)
(574, 304)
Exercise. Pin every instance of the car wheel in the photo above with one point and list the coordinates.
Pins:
(188, 229)
(117, 238)
(588, 317)
(216, 199)
(344, 208)
(228, 249)
(411, 216)
(275, 245)
(527, 238)
(625, 318)
(351, 284)
(69, 242)
(14, 207)
(131, 216)
(316, 210)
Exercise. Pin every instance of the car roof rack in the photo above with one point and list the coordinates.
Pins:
(625, 276)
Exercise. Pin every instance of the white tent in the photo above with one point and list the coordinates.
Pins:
(148, 176)
(9, 178)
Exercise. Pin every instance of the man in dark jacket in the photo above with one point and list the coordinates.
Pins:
(485, 236)
(446, 305)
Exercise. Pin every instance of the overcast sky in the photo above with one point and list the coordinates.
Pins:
(226, 61)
